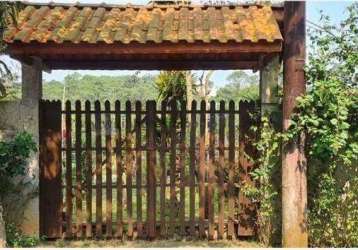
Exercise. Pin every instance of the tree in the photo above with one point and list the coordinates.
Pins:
(8, 14)
(241, 86)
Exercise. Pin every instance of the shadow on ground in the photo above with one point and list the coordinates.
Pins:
(147, 244)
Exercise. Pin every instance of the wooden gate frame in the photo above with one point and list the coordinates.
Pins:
(50, 168)
(51, 200)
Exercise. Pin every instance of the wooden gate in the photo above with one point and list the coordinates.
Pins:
(145, 172)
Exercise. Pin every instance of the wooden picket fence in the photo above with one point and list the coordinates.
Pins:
(159, 171)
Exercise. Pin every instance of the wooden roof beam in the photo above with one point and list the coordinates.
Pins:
(152, 65)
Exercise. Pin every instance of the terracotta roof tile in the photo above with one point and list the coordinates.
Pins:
(128, 24)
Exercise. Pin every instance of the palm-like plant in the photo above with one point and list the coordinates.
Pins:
(8, 14)
(171, 85)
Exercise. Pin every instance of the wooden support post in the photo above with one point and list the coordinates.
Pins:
(151, 164)
(294, 180)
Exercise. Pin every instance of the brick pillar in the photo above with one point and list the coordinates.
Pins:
(269, 84)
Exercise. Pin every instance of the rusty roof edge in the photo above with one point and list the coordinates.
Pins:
(275, 5)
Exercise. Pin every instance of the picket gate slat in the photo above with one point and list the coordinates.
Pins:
(138, 155)
(182, 168)
(69, 208)
(202, 171)
(163, 178)
(98, 127)
(119, 170)
(173, 148)
(211, 171)
(129, 169)
(78, 192)
(221, 193)
(88, 167)
(192, 168)
(108, 130)
(151, 165)
(231, 202)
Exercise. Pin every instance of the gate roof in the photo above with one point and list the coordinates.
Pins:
(146, 37)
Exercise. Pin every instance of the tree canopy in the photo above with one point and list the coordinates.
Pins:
(241, 86)
(87, 87)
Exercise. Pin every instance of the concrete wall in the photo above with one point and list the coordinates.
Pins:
(16, 116)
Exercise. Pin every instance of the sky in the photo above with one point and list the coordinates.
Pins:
(334, 9)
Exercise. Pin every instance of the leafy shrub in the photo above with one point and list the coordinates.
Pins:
(332, 151)
(265, 193)
(14, 155)
(13, 182)
(15, 238)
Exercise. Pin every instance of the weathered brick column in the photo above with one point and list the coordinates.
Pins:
(29, 114)
(269, 73)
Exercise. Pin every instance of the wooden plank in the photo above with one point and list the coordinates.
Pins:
(88, 168)
(221, 170)
(119, 170)
(108, 129)
(50, 169)
(231, 202)
(78, 143)
(247, 151)
(129, 169)
(69, 206)
(163, 178)
(202, 170)
(182, 167)
(173, 146)
(138, 111)
(98, 127)
(211, 170)
(151, 163)
(192, 169)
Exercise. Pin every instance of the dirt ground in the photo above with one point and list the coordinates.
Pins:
(148, 244)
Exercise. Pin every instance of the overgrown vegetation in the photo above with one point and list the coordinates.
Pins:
(8, 13)
(265, 194)
(15, 237)
(328, 115)
(13, 182)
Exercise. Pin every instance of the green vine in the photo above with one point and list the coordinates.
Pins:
(265, 191)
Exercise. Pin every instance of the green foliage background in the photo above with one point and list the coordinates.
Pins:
(328, 117)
